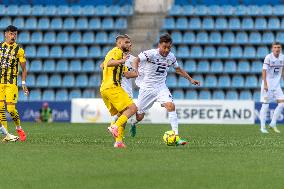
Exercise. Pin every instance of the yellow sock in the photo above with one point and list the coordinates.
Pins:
(121, 121)
(14, 114)
(120, 134)
(3, 116)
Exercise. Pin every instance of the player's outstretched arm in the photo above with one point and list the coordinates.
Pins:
(24, 76)
(112, 63)
(184, 74)
(131, 74)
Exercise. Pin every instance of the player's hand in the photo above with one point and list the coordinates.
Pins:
(102, 66)
(195, 82)
(265, 87)
(26, 90)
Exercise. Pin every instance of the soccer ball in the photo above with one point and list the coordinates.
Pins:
(170, 138)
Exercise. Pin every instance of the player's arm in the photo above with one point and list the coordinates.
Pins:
(264, 68)
(131, 74)
(184, 74)
(112, 62)
(264, 79)
(115, 61)
(24, 70)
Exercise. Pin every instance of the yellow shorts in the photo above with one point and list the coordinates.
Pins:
(116, 99)
(9, 93)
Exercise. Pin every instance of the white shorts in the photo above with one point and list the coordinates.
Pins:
(146, 98)
(271, 95)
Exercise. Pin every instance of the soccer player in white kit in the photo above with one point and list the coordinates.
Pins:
(156, 63)
(272, 72)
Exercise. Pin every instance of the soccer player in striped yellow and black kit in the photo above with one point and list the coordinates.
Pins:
(11, 57)
(115, 98)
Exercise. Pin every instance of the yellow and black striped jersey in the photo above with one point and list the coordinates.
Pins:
(11, 56)
(112, 75)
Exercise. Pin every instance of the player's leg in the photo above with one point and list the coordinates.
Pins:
(265, 97)
(145, 101)
(111, 110)
(133, 123)
(280, 100)
(3, 118)
(4, 127)
(122, 103)
(166, 100)
(122, 120)
(11, 100)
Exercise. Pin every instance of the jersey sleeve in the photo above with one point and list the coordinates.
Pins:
(266, 63)
(175, 63)
(116, 55)
(21, 55)
(145, 56)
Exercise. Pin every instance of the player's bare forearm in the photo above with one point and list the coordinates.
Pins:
(283, 73)
(184, 74)
(131, 74)
(112, 63)
(264, 79)
(24, 71)
(24, 76)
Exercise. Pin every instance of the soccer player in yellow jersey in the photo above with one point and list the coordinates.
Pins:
(114, 96)
(11, 57)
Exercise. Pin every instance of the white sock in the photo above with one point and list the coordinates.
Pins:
(3, 130)
(263, 115)
(174, 121)
(18, 127)
(133, 120)
(114, 118)
(276, 114)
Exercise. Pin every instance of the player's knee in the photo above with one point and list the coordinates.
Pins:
(11, 108)
(170, 106)
(139, 117)
(2, 105)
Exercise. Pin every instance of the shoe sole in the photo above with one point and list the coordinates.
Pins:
(110, 130)
(274, 130)
(11, 140)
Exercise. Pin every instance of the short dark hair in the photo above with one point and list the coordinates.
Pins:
(165, 38)
(121, 36)
(11, 28)
(276, 43)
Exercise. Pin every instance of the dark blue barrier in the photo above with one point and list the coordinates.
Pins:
(272, 106)
(29, 111)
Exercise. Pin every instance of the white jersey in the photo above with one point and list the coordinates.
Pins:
(126, 84)
(140, 77)
(155, 68)
(273, 67)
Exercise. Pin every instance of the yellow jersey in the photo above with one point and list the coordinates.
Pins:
(10, 57)
(112, 75)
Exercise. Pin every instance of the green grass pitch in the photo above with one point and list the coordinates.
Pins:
(82, 156)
